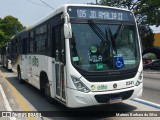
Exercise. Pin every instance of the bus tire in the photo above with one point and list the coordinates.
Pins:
(19, 76)
(45, 87)
(47, 93)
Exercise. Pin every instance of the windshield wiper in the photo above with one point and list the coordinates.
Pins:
(107, 37)
(98, 31)
(114, 38)
(119, 30)
(103, 36)
(112, 41)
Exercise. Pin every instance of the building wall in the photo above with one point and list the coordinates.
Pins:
(157, 39)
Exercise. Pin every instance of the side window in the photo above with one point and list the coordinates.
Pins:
(9, 50)
(41, 39)
(16, 46)
(19, 46)
(24, 45)
(12, 49)
(31, 43)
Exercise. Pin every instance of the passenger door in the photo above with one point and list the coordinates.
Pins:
(59, 64)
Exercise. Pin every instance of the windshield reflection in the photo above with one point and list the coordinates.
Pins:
(99, 47)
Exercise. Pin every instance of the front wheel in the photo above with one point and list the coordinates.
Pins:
(48, 93)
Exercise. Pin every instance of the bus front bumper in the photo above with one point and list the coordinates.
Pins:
(79, 99)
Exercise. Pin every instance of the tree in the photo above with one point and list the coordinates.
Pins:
(143, 9)
(2, 36)
(9, 26)
(147, 36)
(147, 12)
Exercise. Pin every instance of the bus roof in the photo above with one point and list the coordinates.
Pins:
(19, 33)
(63, 9)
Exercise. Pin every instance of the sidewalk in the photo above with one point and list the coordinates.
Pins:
(3, 102)
(8, 102)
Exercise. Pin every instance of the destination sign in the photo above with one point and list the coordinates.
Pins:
(99, 13)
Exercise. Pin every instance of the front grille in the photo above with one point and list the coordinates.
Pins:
(104, 98)
(109, 77)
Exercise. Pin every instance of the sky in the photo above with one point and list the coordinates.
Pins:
(30, 11)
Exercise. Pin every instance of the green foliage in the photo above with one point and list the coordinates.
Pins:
(150, 11)
(9, 26)
(147, 36)
(147, 12)
(3, 38)
(118, 3)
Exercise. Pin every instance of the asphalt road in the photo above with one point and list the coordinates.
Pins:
(151, 91)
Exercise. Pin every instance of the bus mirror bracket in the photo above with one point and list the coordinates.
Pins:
(67, 30)
(67, 26)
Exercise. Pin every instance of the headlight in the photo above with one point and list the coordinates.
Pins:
(79, 85)
(140, 79)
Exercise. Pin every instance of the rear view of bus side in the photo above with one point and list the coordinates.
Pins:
(81, 55)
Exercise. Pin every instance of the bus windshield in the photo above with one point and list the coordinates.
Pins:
(103, 47)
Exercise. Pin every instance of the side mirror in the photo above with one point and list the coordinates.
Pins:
(67, 30)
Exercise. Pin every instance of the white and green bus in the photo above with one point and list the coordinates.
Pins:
(81, 55)
(4, 56)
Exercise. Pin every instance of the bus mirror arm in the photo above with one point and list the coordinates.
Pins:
(67, 30)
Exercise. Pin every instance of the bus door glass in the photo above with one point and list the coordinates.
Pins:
(59, 62)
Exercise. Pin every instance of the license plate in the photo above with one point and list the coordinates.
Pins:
(115, 100)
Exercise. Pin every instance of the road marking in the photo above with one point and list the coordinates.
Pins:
(151, 72)
(145, 102)
(17, 95)
(6, 103)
